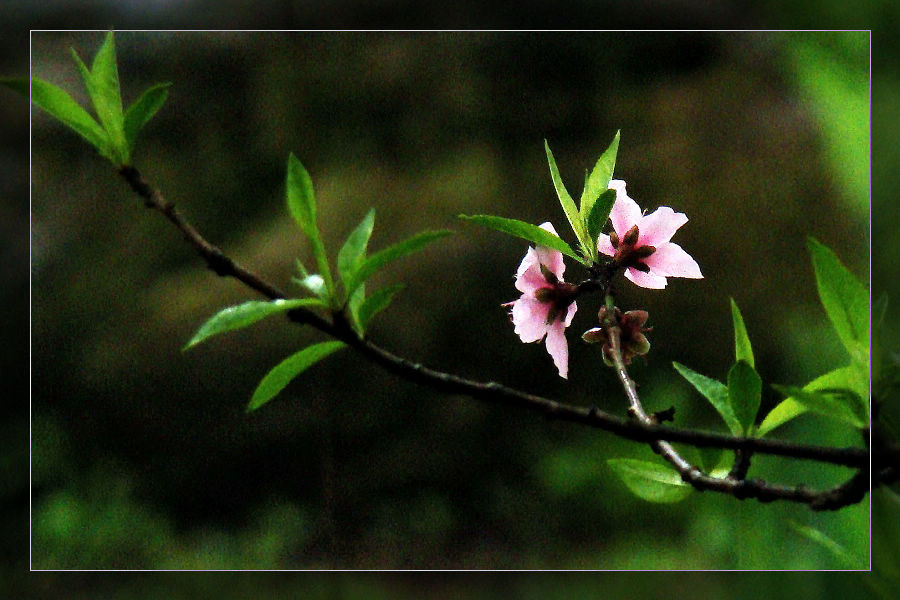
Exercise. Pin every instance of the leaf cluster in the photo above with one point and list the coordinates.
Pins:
(345, 298)
(587, 219)
(114, 132)
(841, 394)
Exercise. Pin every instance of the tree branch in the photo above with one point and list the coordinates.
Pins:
(636, 430)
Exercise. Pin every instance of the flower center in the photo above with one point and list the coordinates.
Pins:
(628, 254)
(559, 295)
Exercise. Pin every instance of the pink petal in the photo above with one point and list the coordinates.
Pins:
(571, 313)
(552, 259)
(604, 246)
(529, 276)
(558, 348)
(530, 319)
(625, 212)
(671, 260)
(647, 280)
(658, 227)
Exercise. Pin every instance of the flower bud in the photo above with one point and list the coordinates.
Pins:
(631, 236)
(595, 335)
(614, 239)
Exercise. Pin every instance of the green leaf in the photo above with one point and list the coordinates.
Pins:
(835, 403)
(526, 231)
(102, 83)
(845, 299)
(142, 110)
(784, 411)
(568, 205)
(789, 408)
(236, 317)
(600, 214)
(744, 393)
(59, 104)
(598, 181)
(301, 200)
(353, 252)
(742, 349)
(375, 262)
(844, 558)
(717, 394)
(278, 378)
(650, 481)
(378, 301)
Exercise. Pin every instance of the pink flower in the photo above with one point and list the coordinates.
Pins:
(641, 242)
(547, 304)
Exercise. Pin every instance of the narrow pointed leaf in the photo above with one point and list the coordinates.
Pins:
(374, 304)
(568, 205)
(107, 98)
(353, 253)
(301, 200)
(242, 315)
(378, 260)
(844, 298)
(598, 181)
(650, 481)
(838, 404)
(599, 214)
(526, 231)
(789, 408)
(744, 394)
(142, 110)
(356, 300)
(742, 349)
(59, 104)
(714, 391)
(839, 552)
(278, 378)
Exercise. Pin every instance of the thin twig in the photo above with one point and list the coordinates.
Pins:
(735, 483)
(495, 392)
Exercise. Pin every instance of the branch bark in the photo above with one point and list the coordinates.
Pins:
(642, 429)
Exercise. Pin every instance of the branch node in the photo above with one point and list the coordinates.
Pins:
(664, 416)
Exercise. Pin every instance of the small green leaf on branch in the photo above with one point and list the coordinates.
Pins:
(142, 110)
(283, 373)
(568, 205)
(59, 104)
(844, 298)
(744, 394)
(526, 231)
(742, 348)
(372, 264)
(242, 315)
(650, 481)
(301, 200)
(353, 253)
(378, 301)
(599, 213)
(717, 394)
(597, 182)
(835, 403)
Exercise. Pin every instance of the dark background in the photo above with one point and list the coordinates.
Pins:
(143, 456)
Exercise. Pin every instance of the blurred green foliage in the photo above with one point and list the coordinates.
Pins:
(143, 456)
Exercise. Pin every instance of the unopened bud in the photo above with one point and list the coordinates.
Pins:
(640, 345)
(614, 239)
(644, 251)
(631, 236)
(595, 335)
